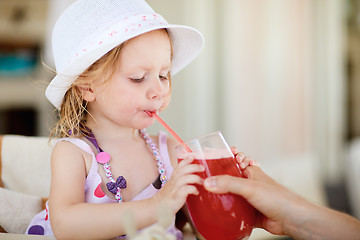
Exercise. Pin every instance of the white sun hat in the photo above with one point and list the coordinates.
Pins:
(88, 29)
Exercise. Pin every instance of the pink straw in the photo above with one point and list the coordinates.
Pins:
(152, 114)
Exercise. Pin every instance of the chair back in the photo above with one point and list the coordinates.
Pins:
(25, 164)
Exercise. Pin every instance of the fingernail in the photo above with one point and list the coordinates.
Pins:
(242, 165)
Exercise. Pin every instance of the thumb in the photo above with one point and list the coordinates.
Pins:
(225, 184)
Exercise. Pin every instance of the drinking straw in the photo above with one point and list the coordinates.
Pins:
(152, 114)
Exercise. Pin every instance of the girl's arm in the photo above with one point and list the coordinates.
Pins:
(71, 217)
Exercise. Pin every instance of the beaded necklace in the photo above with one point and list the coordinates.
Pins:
(115, 186)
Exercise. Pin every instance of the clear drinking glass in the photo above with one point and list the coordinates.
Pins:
(217, 216)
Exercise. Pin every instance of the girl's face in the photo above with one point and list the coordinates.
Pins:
(140, 83)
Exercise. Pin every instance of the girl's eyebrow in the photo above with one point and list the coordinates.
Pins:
(166, 66)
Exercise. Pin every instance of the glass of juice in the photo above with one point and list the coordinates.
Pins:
(217, 216)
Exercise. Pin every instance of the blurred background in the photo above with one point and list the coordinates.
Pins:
(279, 78)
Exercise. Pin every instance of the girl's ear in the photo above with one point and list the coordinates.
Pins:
(87, 93)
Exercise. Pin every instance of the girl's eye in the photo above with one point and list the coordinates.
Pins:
(137, 80)
(165, 77)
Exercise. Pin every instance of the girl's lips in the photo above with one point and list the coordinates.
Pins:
(149, 113)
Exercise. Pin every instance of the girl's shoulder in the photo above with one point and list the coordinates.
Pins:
(75, 144)
(68, 150)
(164, 140)
(172, 143)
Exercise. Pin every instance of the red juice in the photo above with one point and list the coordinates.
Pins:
(220, 216)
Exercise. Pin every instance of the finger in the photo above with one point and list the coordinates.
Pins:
(182, 171)
(254, 163)
(226, 183)
(248, 161)
(193, 191)
(185, 191)
(240, 157)
(187, 186)
(191, 168)
(233, 150)
(190, 179)
(237, 185)
(186, 160)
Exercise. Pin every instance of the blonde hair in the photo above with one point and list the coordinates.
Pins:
(73, 111)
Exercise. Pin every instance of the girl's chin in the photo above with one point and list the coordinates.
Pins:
(147, 123)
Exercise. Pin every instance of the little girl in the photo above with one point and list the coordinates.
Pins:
(114, 61)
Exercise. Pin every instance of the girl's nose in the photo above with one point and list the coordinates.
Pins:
(158, 88)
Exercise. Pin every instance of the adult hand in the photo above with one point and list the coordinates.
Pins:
(271, 199)
(283, 212)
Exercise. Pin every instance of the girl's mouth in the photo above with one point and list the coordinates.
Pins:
(149, 113)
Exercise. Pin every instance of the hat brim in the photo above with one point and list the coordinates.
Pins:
(187, 44)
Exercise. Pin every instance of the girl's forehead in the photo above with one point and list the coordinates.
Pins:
(159, 37)
(152, 48)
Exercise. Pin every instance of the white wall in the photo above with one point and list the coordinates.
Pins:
(193, 109)
(270, 77)
(330, 85)
(253, 80)
(267, 65)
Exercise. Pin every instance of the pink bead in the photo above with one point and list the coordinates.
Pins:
(103, 157)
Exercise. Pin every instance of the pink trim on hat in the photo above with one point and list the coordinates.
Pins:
(112, 33)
